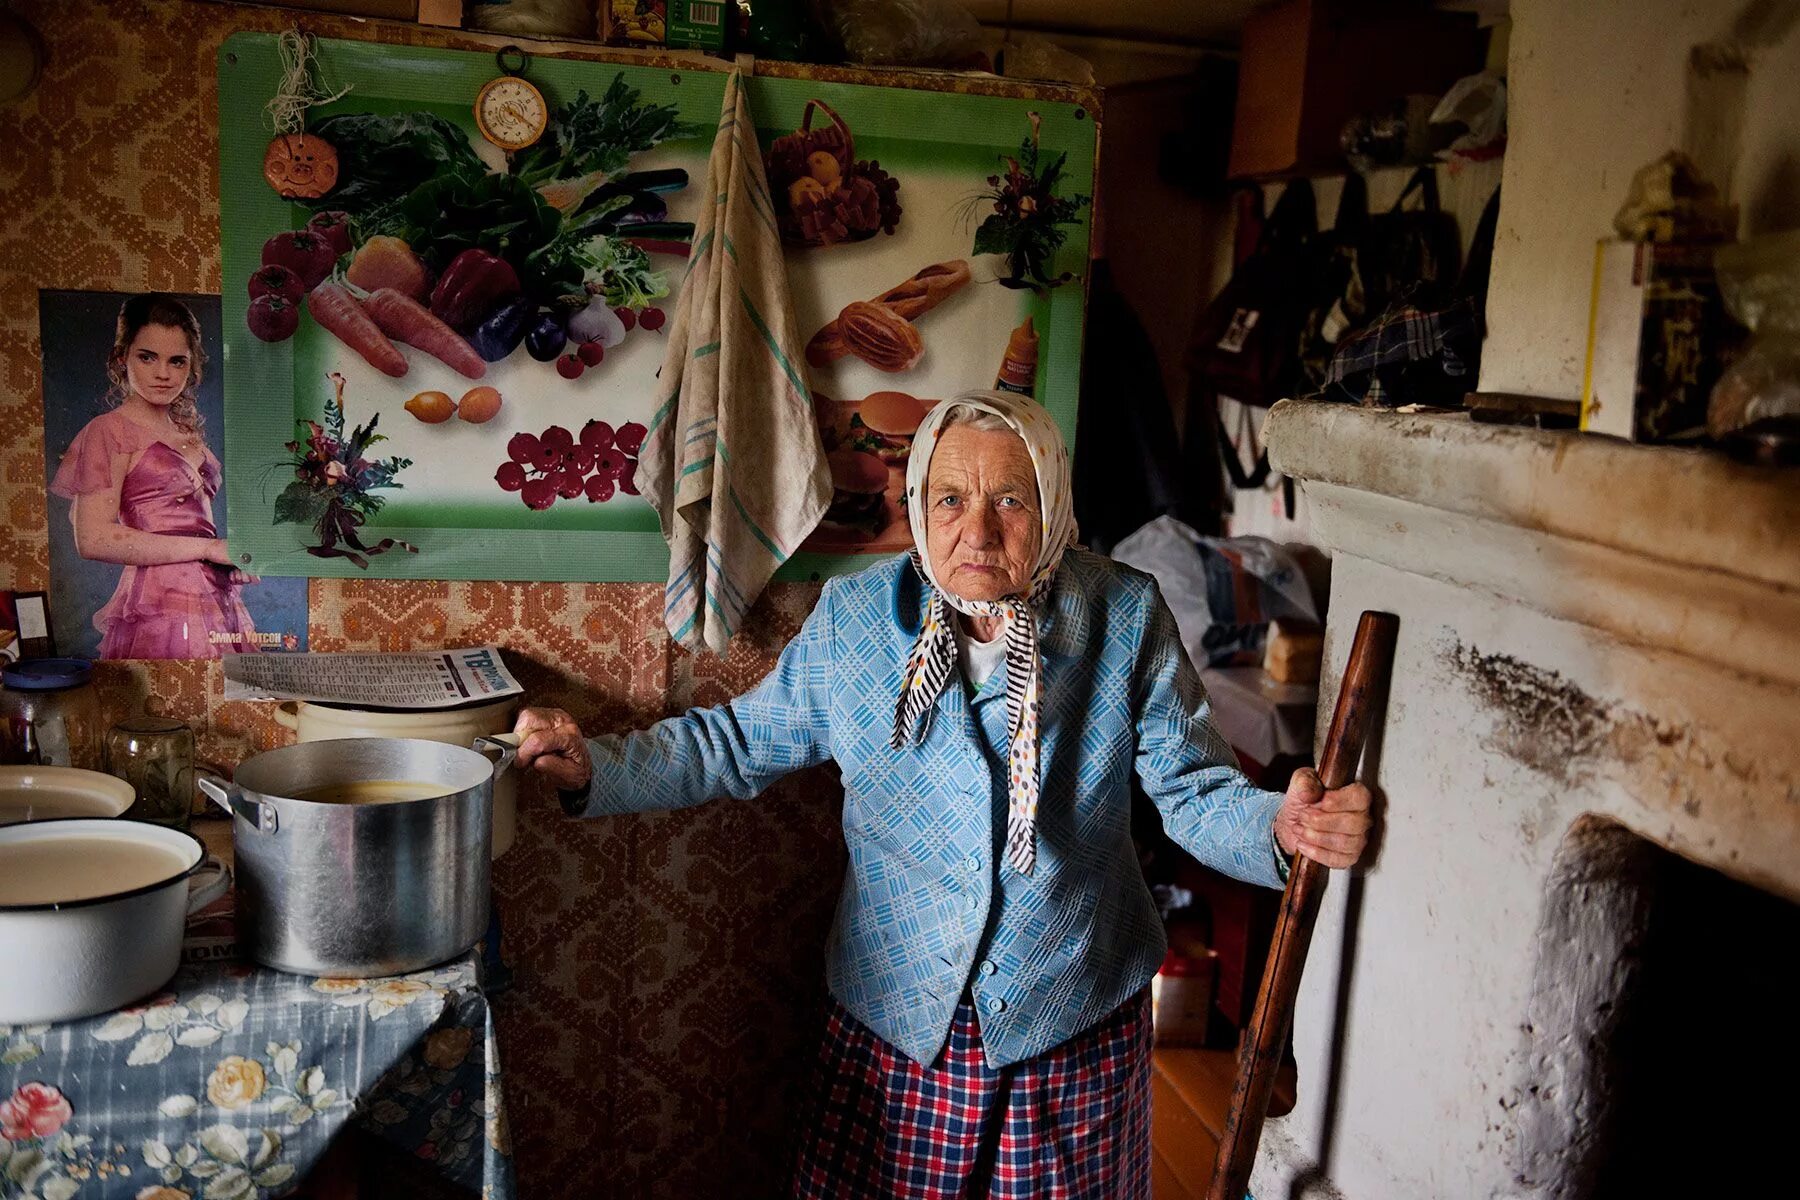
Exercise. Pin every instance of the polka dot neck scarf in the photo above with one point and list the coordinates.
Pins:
(933, 657)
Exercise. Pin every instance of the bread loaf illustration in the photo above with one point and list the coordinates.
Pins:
(907, 301)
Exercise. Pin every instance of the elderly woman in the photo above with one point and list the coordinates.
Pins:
(989, 700)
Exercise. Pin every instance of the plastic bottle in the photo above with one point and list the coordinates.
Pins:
(1018, 366)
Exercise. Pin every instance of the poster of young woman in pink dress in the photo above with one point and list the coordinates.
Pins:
(132, 418)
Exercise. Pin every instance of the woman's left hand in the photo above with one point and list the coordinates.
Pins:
(1329, 827)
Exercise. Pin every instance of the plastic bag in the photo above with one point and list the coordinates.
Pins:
(903, 33)
(1223, 591)
(1759, 394)
(1476, 104)
(541, 18)
(1040, 58)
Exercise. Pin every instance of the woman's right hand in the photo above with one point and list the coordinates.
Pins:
(550, 741)
(217, 552)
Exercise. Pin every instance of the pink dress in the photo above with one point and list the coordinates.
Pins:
(170, 610)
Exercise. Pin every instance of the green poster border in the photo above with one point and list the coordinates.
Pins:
(259, 385)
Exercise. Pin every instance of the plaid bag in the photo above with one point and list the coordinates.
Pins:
(1408, 356)
(1417, 351)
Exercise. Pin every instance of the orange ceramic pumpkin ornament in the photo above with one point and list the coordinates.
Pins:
(297, 164)
(300, 166)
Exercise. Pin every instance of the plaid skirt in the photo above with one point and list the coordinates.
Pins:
(1072, 1123)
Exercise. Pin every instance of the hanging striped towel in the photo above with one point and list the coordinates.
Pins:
(733, 464)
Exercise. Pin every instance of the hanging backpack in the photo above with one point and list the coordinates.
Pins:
(1406, 256)
(1245, 340)
(1243, 344)
(1326, 281)
(1425, 346)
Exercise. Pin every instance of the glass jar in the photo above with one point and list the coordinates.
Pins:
(155, 755)
(49, 713)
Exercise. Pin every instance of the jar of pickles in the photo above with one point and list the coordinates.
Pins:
(155, 755)
(49, 713)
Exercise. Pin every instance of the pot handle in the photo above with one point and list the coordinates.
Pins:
(206, 770)
(506, 745)
(230, 797)
(203, 891)
(287, 714)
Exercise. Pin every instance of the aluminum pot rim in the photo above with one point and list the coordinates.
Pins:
(107, 825)
(298, 749)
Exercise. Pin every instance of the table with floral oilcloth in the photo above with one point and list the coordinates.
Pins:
(230, 1084)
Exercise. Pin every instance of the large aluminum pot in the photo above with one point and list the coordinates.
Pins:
(92, 911)
(454, 726)
(360, 890)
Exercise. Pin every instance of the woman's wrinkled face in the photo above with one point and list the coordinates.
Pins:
(157, 363)
(984, 521)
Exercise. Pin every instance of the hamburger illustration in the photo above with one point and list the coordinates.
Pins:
(858, 493)
(884, 425)
(833, 425)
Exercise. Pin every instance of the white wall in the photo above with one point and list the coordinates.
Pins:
(1597, 89)
(1561, 652)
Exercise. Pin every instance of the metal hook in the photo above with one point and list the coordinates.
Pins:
(500, 60)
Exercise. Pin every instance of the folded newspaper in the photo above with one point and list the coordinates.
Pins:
(424, 679)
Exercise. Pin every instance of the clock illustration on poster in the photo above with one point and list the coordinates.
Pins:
(510, 111)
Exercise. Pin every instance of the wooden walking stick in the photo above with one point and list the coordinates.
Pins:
(1259, 1052)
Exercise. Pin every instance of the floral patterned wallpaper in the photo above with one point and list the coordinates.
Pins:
(670, 967)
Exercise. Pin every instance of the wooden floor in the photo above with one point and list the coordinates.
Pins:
(1190, 1092)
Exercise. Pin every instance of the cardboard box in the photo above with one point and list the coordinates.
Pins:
(1658, 336)
(441, 12)
(1308, 66)
(1182, 993)
(1293, 652)
(697, 24)
(641, 23)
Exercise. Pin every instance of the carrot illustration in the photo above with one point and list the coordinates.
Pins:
(406, 320)
(337, 310)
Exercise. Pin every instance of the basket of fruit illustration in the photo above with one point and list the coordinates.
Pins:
(823, 195)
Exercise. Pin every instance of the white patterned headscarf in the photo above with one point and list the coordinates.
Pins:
(933, 656)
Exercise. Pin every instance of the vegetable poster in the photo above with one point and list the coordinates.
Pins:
(445, 297)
